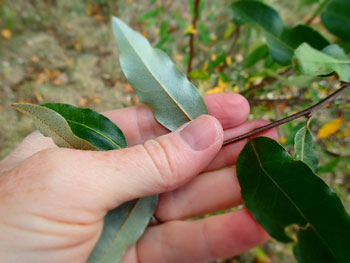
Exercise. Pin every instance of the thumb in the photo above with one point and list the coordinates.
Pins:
(156, 166)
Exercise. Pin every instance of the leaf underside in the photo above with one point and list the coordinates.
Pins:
(304, 148)
(280, 191)
(52, 124)
(156, 80)
(91, 126)
(122, 227)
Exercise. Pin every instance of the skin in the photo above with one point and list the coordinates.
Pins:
(53, 200)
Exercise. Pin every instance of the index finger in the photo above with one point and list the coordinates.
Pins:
(138, 123)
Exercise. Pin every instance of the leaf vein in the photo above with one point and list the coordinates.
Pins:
(156, 79)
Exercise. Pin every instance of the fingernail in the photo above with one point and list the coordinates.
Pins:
(200, 133)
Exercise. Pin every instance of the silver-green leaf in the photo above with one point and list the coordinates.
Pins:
(52, 124)
(122, 228)
(156, 80)
(303, 148)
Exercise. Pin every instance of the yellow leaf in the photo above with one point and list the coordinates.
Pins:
(235, 89)
(228, 60)
(190, 30)
(214, 90)
(218, 89)
(77, 46)
(6, 33)
(144, 33)
(205, 66)
(222, 85)
(329, 128)
(282, 139)
(213, 37)
(213, 56)
(343, 134)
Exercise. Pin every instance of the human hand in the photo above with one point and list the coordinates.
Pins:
(53, 200)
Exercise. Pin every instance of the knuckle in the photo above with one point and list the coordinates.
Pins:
(162, 162)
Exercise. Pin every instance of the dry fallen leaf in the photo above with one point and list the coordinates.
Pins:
(127, 88)
(6, 33)
(329, 128)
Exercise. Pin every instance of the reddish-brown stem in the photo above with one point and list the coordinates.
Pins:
(191, 41)
(304, 113)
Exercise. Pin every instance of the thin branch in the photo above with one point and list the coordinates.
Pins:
(318, 10)
(191, 41)
(288, 101)
(304, 113)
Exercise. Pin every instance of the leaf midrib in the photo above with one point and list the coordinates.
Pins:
(289, 198)
(155, 78)
(120, 229)
(97, 132)
(303, 146)
(46, 124)
(278, 39)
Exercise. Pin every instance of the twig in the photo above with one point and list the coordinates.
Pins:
(288, 101)
(304, 113)
(191, 41)
(318, 10)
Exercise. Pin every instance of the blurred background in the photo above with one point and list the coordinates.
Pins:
(64, 51)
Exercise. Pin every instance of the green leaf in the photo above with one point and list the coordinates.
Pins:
(255, 13)
(122, 228)
(91, 126)
(203, 33)
(281, 39)
(199, 74)
(149, 14)
(280, 191)
(307, 2)
(282, 47)
(229, 30)
(259, 53)
(164, 35)
(216, 62)
(336, 18)
(303, 148)
(330, 166)
(330, 59)
(52, 124)
(180, 21)
(156, 80)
